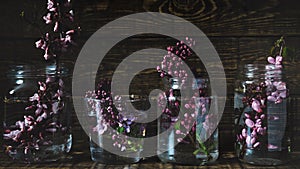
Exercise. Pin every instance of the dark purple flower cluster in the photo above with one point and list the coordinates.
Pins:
(172, 65)
(46, 105)
(195, 107)
(60, 16)
(38, 127)
(188, 116)
(112, 112)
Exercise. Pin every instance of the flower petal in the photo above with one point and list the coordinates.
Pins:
(281, 86)
(271, 60)
(278, 60)
(248, 141)
(244, 133)
(249, 123)
(271, 98)
(55, 29)
(270, 146)
(256, 144)
(256, 106)
(283, 94)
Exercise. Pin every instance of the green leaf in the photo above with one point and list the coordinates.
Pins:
(22, 13)
(284, 52)
(198, 138)
(272, 50)
(277, 43)
(177, 126)
(120, 129)
(198, 151)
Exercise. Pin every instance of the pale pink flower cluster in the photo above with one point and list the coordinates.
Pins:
(276, 61)
(172, 64)
(255, 130)
(277, 89)
(171, 68)
(276, 92)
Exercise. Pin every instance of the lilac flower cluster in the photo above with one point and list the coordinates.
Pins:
(195, 107)
(171, 66)
(36, 129)
(256, 97)
(59, 16)
(255, 120)
(170, 113)
(188, 126)
(48, 103)
(277, 90)
(196, 122)
(112, 112)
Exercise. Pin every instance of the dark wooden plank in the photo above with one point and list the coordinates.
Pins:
(241, 31)
(234, 17)
(216, 18)
(294, 126)
(226, 160)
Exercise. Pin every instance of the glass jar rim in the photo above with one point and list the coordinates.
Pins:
(31, 71)
(260, 71)
(267, 66)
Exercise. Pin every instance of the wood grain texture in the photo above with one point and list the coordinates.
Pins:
(226, 161)
(215, 18)
(234, 17)
(242, 31)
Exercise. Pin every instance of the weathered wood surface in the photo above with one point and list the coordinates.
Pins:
(82, 160)
(241, 30)
(215, 17)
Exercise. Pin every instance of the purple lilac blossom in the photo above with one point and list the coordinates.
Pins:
(277, 91)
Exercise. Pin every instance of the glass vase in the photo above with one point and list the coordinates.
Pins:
(36, 115)
(260, 103)
(191, 140)
(115, 136)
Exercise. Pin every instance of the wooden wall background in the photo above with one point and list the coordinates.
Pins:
(241, 30)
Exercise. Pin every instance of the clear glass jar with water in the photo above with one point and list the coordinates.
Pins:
(37, 114)
(260, 102)
(191, 140)
(115, 136)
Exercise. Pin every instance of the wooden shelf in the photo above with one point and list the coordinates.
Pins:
(81, 160)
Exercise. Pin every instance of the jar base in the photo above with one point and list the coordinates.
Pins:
(183, 158)
(100, 155)
(263, 161)
(44, 154)
(266, 158)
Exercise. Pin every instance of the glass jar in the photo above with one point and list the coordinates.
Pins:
(192, 140)
(37, 116)
(115, 136)
(260, 102)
